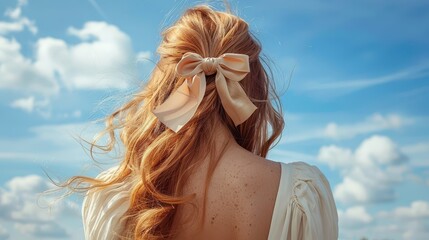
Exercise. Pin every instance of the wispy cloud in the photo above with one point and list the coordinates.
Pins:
(374, 123)
(411, 73)
(30, 104)
(18, 22)
(98, 9)
(282, 155)
(51, 144)
(419, 153)
(353, 217)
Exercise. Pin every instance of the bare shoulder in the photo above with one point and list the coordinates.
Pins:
(254, 183)
(250, 172)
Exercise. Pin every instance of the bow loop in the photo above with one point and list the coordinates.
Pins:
(234, 66)
(182, 104)
(189, 65)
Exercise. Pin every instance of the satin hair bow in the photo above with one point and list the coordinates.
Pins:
(230, 68)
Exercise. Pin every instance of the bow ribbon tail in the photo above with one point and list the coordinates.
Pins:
(182, 104)
(234, 100)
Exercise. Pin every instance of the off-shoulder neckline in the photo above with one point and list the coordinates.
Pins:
(280, 203)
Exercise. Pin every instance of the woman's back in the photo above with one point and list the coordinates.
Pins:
(240, 198)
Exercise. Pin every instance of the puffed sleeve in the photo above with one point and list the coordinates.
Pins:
(311, 212)
(304, 208)
(102, 209)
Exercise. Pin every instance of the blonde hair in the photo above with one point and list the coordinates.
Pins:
(161, 159)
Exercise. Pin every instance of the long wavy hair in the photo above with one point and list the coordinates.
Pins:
(161, 159)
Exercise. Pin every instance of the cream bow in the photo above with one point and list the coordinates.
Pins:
(182, 104)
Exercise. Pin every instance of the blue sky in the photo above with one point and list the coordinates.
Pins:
(354, 79)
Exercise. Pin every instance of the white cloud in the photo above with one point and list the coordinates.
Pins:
(417, 209)
(383, 228)
(53, 148)
(374, 123)
(17, 26)
(26, 184)
(351, 190)
(30, 104)
(402, 222)
(370, 172)
(23, 74)
(336, 156)
(102, 58)
(31, 213)
(379, 150)
(18, 22)
(416, 231)
(353, 217)
(374, 151)
(26, 104)
(411, 222)
(4, 234)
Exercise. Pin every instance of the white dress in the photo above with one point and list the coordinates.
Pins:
(304, 207)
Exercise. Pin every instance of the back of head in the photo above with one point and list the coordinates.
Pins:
(160, 160)
(211, 33)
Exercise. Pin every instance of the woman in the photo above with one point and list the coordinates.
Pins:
(195, 141)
